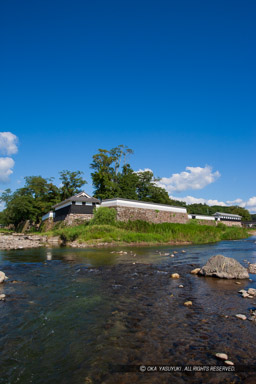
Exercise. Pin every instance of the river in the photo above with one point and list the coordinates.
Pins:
(72, 315)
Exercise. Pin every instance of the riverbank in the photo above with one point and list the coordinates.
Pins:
(143, 233)
(136, 233)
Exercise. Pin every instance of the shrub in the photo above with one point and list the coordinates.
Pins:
(104, 215)
(222, 226)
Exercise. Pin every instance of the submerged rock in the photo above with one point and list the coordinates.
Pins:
(224, 267)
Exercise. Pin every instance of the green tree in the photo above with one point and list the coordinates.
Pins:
(111, 171)
(148, 190)
(72, 183)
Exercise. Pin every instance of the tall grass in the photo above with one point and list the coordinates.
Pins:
(141, 231)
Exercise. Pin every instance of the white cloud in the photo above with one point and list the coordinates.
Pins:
(194, 200)
(192, 178)
(249, 204)
(8, 143)
(6, 165)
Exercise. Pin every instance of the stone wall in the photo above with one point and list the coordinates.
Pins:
(206, 222)
(231, 223)
(77, 218)
(151, 215)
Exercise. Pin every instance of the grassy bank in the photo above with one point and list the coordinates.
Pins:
(140, 231)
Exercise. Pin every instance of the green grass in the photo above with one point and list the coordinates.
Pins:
(141, 231)
(5, 230)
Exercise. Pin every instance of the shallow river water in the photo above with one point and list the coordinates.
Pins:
(72, 316)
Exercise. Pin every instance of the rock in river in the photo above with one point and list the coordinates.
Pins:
(3, 277)
(175, 276)
(252, 268)
(222, 356)
(225, 268)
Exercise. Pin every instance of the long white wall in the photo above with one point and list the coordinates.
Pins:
(139, 204)
(201, 217)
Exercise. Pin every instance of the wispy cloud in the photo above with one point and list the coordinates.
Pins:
(249, 204)
(193, 178)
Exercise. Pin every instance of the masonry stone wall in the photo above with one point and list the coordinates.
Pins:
(231, 223)
(206, 222)
(77, 218)
(151, 215)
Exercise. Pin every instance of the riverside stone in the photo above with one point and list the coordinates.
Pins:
(20, 241)
(224, 267)
(188, 303)
(240, 316)
(2, 297)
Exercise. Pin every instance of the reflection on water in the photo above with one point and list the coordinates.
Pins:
(71, 314)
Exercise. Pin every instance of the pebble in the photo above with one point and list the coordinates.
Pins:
(238, 283)
(195, 271)
(2, 297)
(175, 276)
(188, 303)
(222, 356)
(228, 362)
(240, 316)
(183, 251)
(172, 255)
(181, 286)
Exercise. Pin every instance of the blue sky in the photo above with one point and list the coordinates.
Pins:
(173, 80)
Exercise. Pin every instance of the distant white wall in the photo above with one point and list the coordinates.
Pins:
(201, 217)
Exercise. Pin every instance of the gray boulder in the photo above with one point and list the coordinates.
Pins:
(224, 267)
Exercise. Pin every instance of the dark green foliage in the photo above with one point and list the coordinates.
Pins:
(112, 176)
(104, 215)
(71, 183)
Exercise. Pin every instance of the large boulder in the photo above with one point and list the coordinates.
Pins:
(224, 267)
